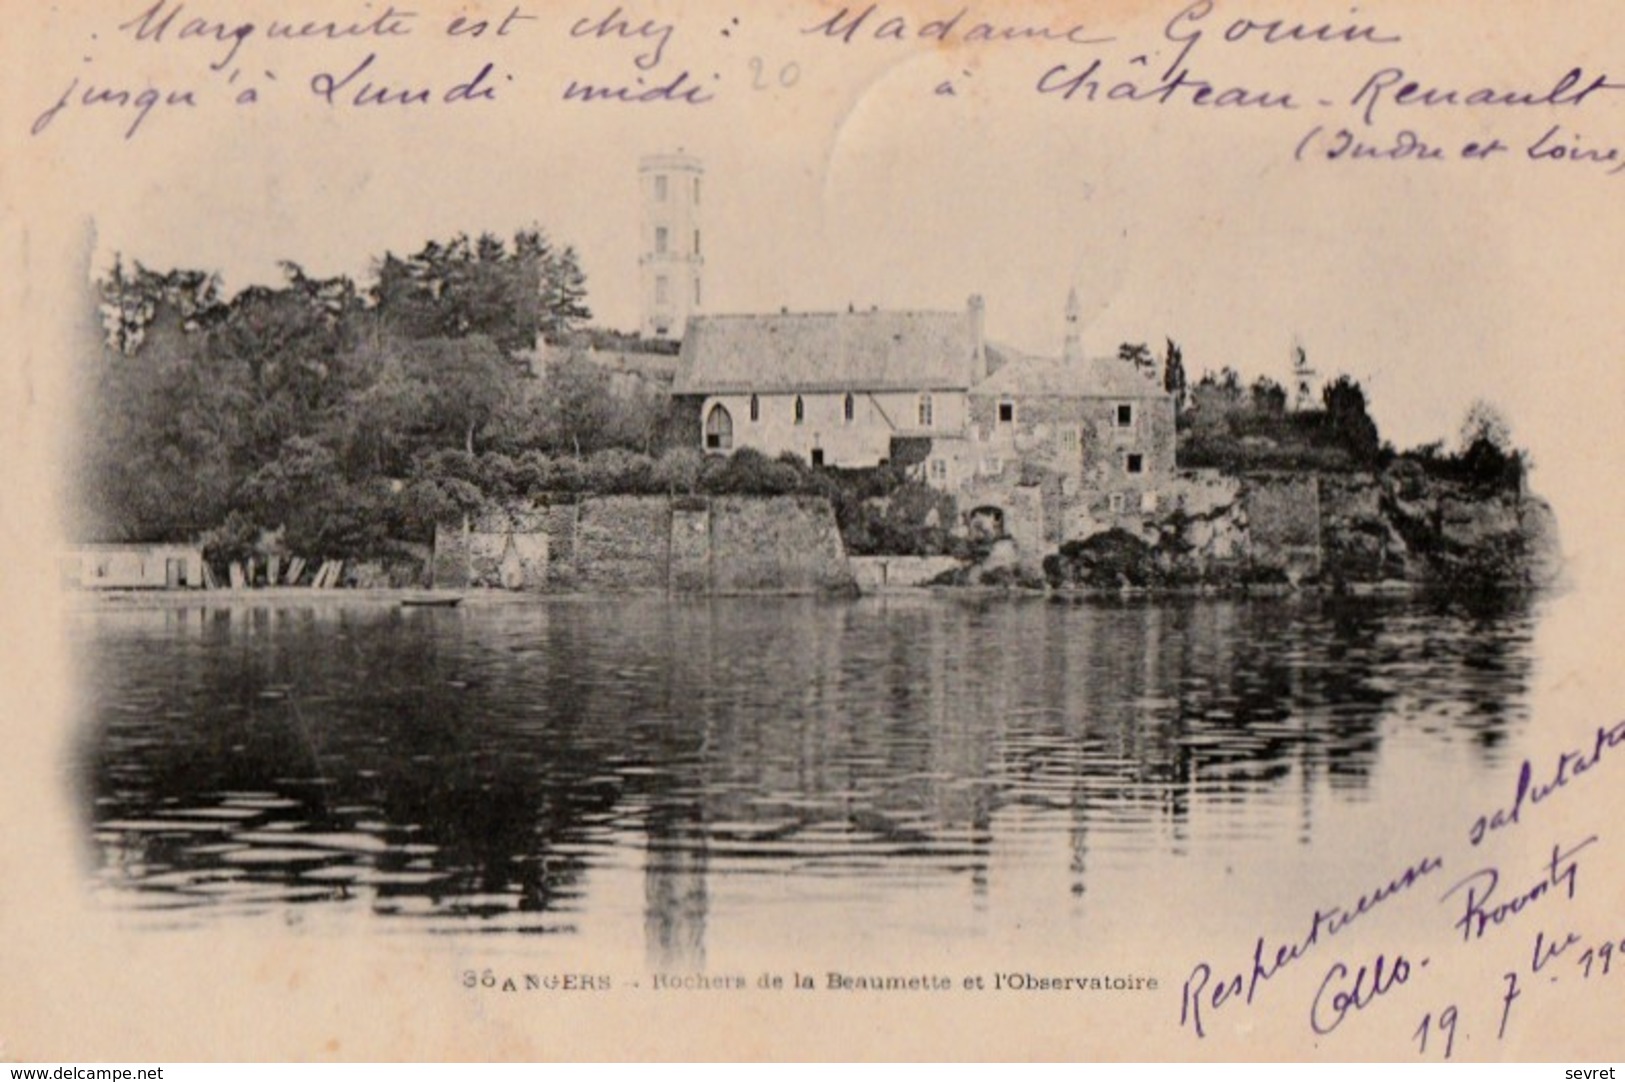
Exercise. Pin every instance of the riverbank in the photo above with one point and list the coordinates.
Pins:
(480, 597)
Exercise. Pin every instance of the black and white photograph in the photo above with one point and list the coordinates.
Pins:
(676, 530)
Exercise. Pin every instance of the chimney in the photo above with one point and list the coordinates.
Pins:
(976, 308)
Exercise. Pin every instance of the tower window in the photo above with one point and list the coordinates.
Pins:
(1135, 463)
(662, 290)
(848, 409)
(696, 191)
(925, 411)
(801, 410)
(696, 292)
(696, 242)
(660, 188)
(662, 240)
(1007, 412)
(1125, 415)
(755, 408)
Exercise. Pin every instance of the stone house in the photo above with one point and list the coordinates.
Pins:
(1095, 435)
(835, 388)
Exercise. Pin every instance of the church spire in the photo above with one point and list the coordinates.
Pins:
(1073, 351)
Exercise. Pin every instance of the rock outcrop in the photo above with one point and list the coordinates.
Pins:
(1351, 530)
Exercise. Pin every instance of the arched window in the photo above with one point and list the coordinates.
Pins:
(925, 411)
(755, 408)
(719, 429)
(849, 409)
(801, 410)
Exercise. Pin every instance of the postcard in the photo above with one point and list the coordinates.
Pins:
(897, 530)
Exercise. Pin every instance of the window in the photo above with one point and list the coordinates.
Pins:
(925, 411)
(696, 191)
(696, 292)
(719, 429)
(660, 188)
(1125, 415)
(755, 408)
(992, 464)
(662, 290)
(1116, 503)
(801, 410)
(1072, 438)
(848, 409)
(1007, 412)
(817, 456)
(1134, 463)
(662, 240)
(939, 469)
(696, 242)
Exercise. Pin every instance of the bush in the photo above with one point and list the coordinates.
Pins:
(618, 473)
(678, 470)
(1107, 560)
(748, 472)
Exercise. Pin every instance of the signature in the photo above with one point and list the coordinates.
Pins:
(1200, 993)
(1483, 910)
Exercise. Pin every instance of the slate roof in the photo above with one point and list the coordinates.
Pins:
(1024, 376)
(826, 351)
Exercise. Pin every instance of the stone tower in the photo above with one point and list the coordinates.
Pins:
(1072, 351)
(672, 258)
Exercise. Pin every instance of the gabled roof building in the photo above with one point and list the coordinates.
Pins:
(1094, 434)
(833, 387)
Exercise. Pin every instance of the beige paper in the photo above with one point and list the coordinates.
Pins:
(1421, 193)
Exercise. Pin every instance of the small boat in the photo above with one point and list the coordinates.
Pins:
(430, 601)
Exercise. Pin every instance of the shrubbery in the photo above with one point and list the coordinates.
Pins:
(880, 511)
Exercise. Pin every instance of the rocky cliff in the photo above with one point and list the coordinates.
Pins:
(1401, 526)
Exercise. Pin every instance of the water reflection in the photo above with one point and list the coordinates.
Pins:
(478, 769)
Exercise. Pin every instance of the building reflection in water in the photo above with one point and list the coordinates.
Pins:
(469, 770)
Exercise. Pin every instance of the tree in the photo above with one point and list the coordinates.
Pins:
(1268, 397)
(1138, 354)
(564, 295)
(1173, 373)
(135, 300)
(1348, 420)
(468, 382)
(574, 405)
(1487, 451)
(507, 292)
(1485, 422)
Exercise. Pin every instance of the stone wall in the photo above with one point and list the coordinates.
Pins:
(449, 566)
(779, 544)
(1023, 509)
(876, 574)
(628, 544)
(690, 561)
(622, 543)
(1283, 522)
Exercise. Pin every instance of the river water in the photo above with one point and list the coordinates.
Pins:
(711, 774)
